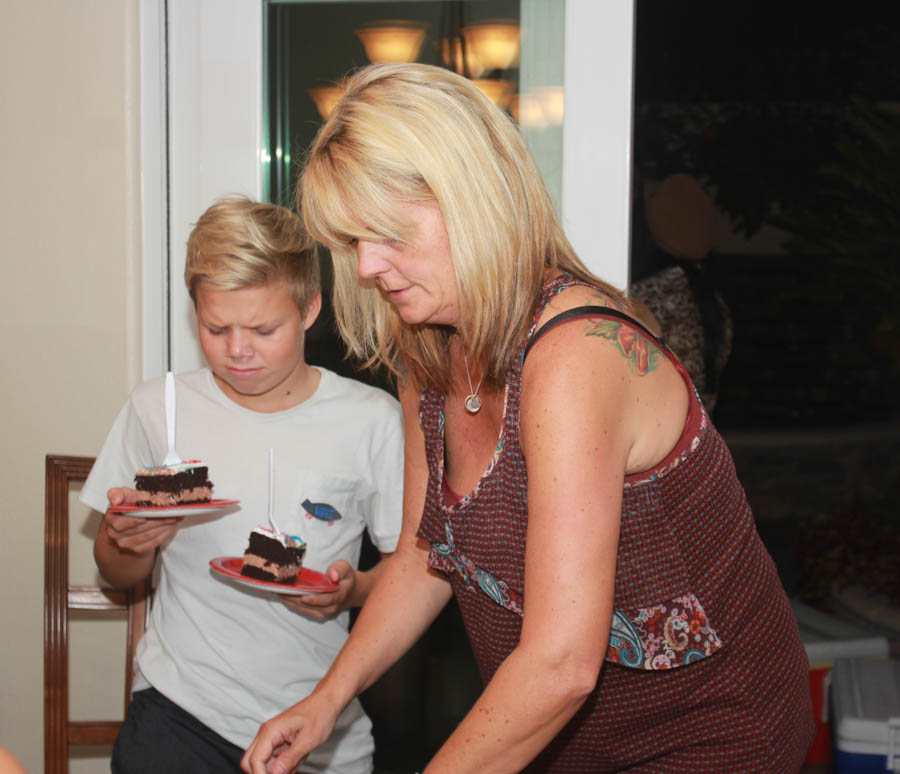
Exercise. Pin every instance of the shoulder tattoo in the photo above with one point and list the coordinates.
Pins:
(601, 299)
(642, 353)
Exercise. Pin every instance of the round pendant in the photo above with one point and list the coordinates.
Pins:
(473, 404)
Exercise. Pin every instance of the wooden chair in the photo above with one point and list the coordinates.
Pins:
(60, 733)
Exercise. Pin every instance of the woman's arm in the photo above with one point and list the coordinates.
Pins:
(406, 599)
(584, 413)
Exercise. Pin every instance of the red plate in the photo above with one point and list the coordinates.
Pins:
(308, 581)
(165, 511)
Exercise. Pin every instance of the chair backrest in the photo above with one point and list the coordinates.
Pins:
(59, 598)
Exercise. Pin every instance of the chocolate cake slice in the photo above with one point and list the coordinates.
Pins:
(273, 556)
(187, 482)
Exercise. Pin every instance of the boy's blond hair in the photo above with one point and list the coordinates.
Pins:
(238, 243)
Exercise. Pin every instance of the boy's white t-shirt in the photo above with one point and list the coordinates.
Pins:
(234, 656)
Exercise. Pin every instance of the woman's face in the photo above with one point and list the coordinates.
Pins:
(417, 277)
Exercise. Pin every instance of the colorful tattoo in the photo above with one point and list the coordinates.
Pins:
(643, 354)
(601, 299)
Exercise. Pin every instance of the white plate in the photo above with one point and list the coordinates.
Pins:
(166, 511)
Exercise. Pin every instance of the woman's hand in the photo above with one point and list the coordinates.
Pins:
(326, 605)
(283, 742)
(131, 533)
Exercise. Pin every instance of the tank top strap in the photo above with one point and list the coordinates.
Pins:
(591, 310)
(551, 289)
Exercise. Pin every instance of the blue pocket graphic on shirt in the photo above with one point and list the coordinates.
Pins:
(321, 511)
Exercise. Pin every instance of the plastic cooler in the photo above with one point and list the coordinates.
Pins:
(865, 699)
(826, 639)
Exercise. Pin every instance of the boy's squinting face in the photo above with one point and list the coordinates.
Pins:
(253, 339)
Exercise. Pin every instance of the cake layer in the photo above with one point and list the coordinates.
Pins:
(183, 497)
(273, 556)
(256, 567)
(180, 484)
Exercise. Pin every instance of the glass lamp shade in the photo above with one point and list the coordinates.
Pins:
(461, 59)
(451, 52)
(325, 97)
(494, 45)
(514, 106)
(393, 41)
(542, 107)
(527, 111)
(497, 91)
(553, 103)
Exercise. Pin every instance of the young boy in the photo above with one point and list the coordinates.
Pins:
(218, 658)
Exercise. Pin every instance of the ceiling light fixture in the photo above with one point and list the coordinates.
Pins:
(392, 41)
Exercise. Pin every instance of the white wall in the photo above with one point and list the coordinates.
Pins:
(70, 311)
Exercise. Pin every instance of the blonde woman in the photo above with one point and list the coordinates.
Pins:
(562, 479)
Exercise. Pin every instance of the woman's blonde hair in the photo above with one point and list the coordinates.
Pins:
(238, 243)
(420, 134)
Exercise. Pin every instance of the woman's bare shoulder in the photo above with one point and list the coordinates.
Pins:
(579, 295)
(627, 342)
(644, 398)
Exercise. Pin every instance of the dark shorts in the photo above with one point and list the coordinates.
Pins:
(158, 736)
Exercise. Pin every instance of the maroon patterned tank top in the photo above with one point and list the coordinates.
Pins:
(692, 576)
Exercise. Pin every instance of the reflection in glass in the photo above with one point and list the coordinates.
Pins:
(325, 97)
(492, 45)
(392, 41)
(311, 46)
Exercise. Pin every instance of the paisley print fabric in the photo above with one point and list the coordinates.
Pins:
(663, 636)
(445, 557)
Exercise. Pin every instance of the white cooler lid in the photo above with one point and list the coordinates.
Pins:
(865, 695)
(827, 638)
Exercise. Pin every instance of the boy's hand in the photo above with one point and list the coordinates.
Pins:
(131, 533)
(121, 495)
(322, 606)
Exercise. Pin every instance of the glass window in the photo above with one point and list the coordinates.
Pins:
(512, 50)
(227, 129)
(310, 46)
(790, 126)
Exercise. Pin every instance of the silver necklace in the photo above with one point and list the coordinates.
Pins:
(473, 402)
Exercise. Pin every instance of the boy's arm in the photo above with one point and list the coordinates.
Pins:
(355, 586)
(125, 546)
